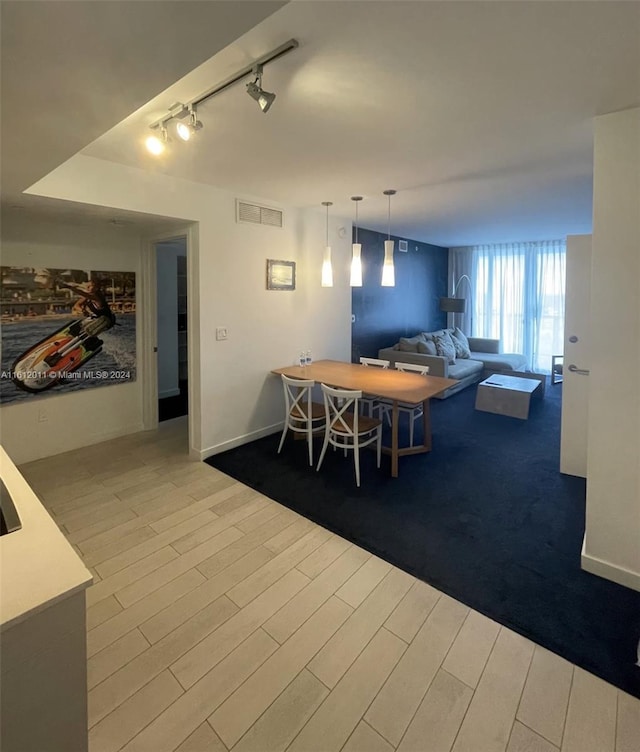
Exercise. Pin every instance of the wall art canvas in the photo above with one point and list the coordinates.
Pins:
(281, 275)
(64, 330)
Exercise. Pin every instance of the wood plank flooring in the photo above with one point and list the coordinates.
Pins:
(220, 620)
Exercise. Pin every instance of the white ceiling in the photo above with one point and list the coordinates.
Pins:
(72, 70)
(478, 113)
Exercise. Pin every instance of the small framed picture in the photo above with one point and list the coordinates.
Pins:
(281, 275)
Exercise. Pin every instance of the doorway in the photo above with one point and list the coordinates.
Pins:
(172, 331)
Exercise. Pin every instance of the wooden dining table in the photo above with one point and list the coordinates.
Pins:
(396, 386)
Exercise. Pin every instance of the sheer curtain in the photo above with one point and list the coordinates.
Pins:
(517, 296)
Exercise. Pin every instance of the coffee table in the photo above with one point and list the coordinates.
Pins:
(509, 395)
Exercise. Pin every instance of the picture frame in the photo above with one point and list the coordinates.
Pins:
(281, 275)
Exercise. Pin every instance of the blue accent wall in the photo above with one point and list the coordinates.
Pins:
(384, 314)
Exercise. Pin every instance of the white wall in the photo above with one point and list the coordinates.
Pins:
(167, 286)
(87, 416)
(239, 399)
(612, 539)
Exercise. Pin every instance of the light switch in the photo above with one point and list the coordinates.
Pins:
(221, 332)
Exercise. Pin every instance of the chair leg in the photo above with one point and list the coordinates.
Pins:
(310, 444)
(379, 445)
(356, 462)
(324, 448)
(412, 419)
(284, 433)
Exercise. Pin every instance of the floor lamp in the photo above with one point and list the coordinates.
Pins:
(455, 305)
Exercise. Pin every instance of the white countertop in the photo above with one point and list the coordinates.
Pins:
(38, 567)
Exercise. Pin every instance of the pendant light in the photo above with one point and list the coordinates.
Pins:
(356, 262)
(388, 272)
(327, 269)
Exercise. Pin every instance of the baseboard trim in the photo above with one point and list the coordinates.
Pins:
(168, 393)
(240, 440)
(124, 431)
(86, 441)
(608, 571)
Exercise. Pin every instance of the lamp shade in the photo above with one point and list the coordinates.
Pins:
(327, 269)
(453, 305)
(388, 272)
(356, 266)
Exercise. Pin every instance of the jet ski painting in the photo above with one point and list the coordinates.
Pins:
(58, 355)
(59, 329)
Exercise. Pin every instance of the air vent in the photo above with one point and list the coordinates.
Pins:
(258, 215)
(403, 245)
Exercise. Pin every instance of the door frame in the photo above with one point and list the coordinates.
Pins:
(149, 325)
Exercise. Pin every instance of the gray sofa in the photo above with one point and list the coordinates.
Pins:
(484, 359)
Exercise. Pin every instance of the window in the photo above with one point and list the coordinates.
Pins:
(518, 296)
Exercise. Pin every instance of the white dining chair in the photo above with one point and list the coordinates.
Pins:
(302, 415)
(370, 404)
(413, 411)
(345, 428)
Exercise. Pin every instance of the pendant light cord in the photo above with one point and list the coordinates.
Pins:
(389, 219)
(356, 221)
(327, 243)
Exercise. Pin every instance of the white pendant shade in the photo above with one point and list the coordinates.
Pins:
(356, 266)
(327, 269)
(388, 272)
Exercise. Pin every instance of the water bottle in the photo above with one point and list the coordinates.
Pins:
(302, 358)
(307, 357)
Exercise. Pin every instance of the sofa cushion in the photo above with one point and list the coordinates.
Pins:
(410, 344)
(463, 368)
(461, 344)
(427, 347)
(502, 361)
(445, 347)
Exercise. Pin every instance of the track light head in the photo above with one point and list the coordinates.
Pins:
(264, 98)
(186, 130)
(157, 144)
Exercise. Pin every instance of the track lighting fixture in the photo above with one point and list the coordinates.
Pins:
(356, 261)
(388, 272)
(327, 269)
(186, 130)
(156, 143)
(264, 98)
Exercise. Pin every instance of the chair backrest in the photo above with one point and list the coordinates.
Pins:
(337, 403)
(297, 394)
(377, 362)
(422, 370)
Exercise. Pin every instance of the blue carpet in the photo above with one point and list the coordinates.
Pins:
(486, 517)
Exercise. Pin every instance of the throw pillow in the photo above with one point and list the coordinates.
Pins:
(461, 344)
(428, 336)
(445, 347)
(457, 332)
(427, 348)
(409, 344)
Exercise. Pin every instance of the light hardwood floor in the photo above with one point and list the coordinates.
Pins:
(220, 620)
